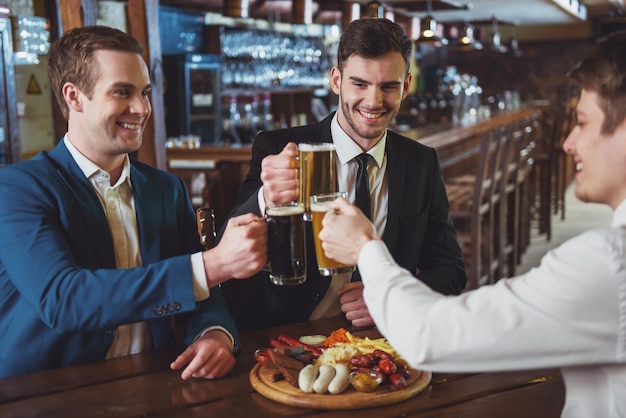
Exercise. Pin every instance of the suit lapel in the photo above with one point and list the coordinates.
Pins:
(396, 175)
(149, 215)
(91, 209)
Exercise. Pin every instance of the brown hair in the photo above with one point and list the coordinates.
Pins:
(372, 38)
(71, 57)
(603, 71)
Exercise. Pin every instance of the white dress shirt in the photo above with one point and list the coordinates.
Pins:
(569, 312)
(119, 206)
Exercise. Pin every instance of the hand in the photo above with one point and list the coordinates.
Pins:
(209, 357)
(353, 305)
(279, 176)
(242, 251)
(345, 231)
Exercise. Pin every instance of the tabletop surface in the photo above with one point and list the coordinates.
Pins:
(143, 385)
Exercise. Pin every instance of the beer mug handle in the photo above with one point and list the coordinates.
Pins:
(205, 218)
(296, 166)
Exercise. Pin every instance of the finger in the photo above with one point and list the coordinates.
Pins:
(340, 204)
(363, 322)
(182, 359)
(194, 366)
(349, 287)
(290, 149)
(245, 219)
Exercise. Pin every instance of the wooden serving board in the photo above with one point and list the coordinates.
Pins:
(283, 392)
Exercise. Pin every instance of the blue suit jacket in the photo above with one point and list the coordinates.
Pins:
(419, 232)
(61, 297)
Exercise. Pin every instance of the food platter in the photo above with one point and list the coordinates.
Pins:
(281, 391)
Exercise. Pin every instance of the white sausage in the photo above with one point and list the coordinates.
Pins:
(323, 379)
(307, 377)
(341, 381)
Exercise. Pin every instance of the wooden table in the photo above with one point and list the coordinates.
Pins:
(143, 385)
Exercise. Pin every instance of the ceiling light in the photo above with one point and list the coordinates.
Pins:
(496, 44)
(515, 50)
(428, 32)
(466, 41)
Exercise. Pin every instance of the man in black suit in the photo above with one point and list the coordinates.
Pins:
(407, 194)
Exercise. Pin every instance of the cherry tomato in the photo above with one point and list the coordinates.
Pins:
(261, 356)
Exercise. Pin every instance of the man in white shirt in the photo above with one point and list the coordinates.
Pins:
(100, 255)
(569, 312)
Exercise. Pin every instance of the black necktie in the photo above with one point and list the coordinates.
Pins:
(362, 200)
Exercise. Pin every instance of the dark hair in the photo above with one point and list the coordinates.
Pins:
(71, 57)
(603, 71)
(371, 38)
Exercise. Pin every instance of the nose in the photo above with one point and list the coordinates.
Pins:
(570, 142)
(374, 98)
(140, 105)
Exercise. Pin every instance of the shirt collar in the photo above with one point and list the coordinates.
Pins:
(619, 216)
(89, 168)
(347, 149)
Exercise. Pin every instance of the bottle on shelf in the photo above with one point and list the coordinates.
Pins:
(267, 122)
(245, 128)
(256, 121)
(231, 122)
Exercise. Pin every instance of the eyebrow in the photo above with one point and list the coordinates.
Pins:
(385, 83)
(124, 85)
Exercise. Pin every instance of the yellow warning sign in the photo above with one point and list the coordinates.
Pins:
(33, 86)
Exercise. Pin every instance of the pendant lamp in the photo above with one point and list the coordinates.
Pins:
(428, 30)
(466, 41)
(496, 44)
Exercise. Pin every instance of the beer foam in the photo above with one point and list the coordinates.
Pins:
(323, 146)
(319, 207)
(284, 210)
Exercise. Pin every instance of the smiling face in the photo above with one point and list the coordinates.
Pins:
(370, 92)
(110, 123)
(600, 158)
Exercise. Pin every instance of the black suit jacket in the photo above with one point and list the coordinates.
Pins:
(419, 232)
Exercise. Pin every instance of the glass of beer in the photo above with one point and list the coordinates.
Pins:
(317, 172)
(285, 244)
(319, 207)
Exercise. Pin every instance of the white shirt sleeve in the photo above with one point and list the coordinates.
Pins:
(570, 310)
(200, 285)
(261, 200)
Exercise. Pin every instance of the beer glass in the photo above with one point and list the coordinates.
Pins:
(285, 244)
(319, 207)
(317, 172)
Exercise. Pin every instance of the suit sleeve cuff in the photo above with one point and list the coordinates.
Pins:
(233, 347)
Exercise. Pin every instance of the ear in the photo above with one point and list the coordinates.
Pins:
(73, 97)
(335, 80)
(407, 85)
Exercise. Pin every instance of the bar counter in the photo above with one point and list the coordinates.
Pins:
(456, 145)
(143, 385)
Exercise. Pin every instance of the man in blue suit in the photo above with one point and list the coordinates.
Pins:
(100, 255)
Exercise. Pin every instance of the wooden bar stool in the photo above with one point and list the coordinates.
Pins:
(473, 212)
(541, 131)
(563, 166)
(526, 190)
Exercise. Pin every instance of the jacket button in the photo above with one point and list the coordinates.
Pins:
(110, 332)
